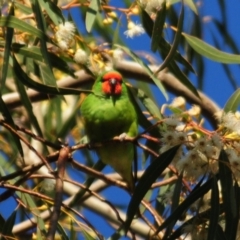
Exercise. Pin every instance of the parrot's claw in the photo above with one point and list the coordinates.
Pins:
(122, 136)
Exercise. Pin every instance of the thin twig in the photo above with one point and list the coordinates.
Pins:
(3, 123)
(97, 174)
(44, 197)
(61, 165)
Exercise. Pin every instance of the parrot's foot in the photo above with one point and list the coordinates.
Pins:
(122, 136)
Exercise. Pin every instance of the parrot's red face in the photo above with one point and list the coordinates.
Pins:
(112, 83)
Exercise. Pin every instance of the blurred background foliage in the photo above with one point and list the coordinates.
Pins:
(50, 53)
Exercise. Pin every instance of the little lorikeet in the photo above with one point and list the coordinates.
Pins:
(108, 112)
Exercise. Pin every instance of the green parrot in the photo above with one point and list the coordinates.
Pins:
(108, 112)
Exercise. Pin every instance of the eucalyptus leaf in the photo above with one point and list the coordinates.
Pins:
(8, 225)
(233, 102)
(146, 68)
(27, 81)
(210, 52)
(53, 11)
(7, 47)
(158, 26)
(92, 11)
(13, 22)
(148, 178)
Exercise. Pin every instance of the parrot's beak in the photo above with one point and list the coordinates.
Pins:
(113, 82)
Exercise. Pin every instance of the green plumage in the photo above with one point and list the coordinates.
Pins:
(107, 116)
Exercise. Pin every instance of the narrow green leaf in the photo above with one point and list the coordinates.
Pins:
(53, 11)
(62, 232)
(7, 227)
(7, 48)
(27, 81)
(177, 38)
(200, 218)
(228, 194)
(214, 212)
(164, 46)
(233, 102)
(235, 223)
(144, 122)
(148, 178)
(198, 193)
(116, 38)
(146, 68)
(31, 51)
(147, 22)
(2, 222)
(62, 65)
(38, 15)
(23, 7)
(13, 22)
(92, 11)
(39, 234)
(224, 31)
(35, 53)
(27, 104)
(210, 52)
(28, 201)
(158, 27)
(72, 231)
(183, 78)
(148, 103)
(175, 203)
(226, 67)
(7, 116)
(190, 4)
(47, 75)
(43, 46)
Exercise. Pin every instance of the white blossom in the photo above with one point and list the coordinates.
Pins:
(169, 138)
(212, 152)
(178, 102)
(134, 30)
(63, 45)
(65, 34)
(80, 56)
(117, 54)
(201, 144)
(65, 31)
(194, 111)
(217, 141)
(151, 5)
(237, 115)
(181, 137)
(230, 121)
(193, 164)
(172, 121)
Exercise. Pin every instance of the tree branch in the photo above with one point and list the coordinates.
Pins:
(129, 70)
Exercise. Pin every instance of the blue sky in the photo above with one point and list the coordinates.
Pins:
(216, 83)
